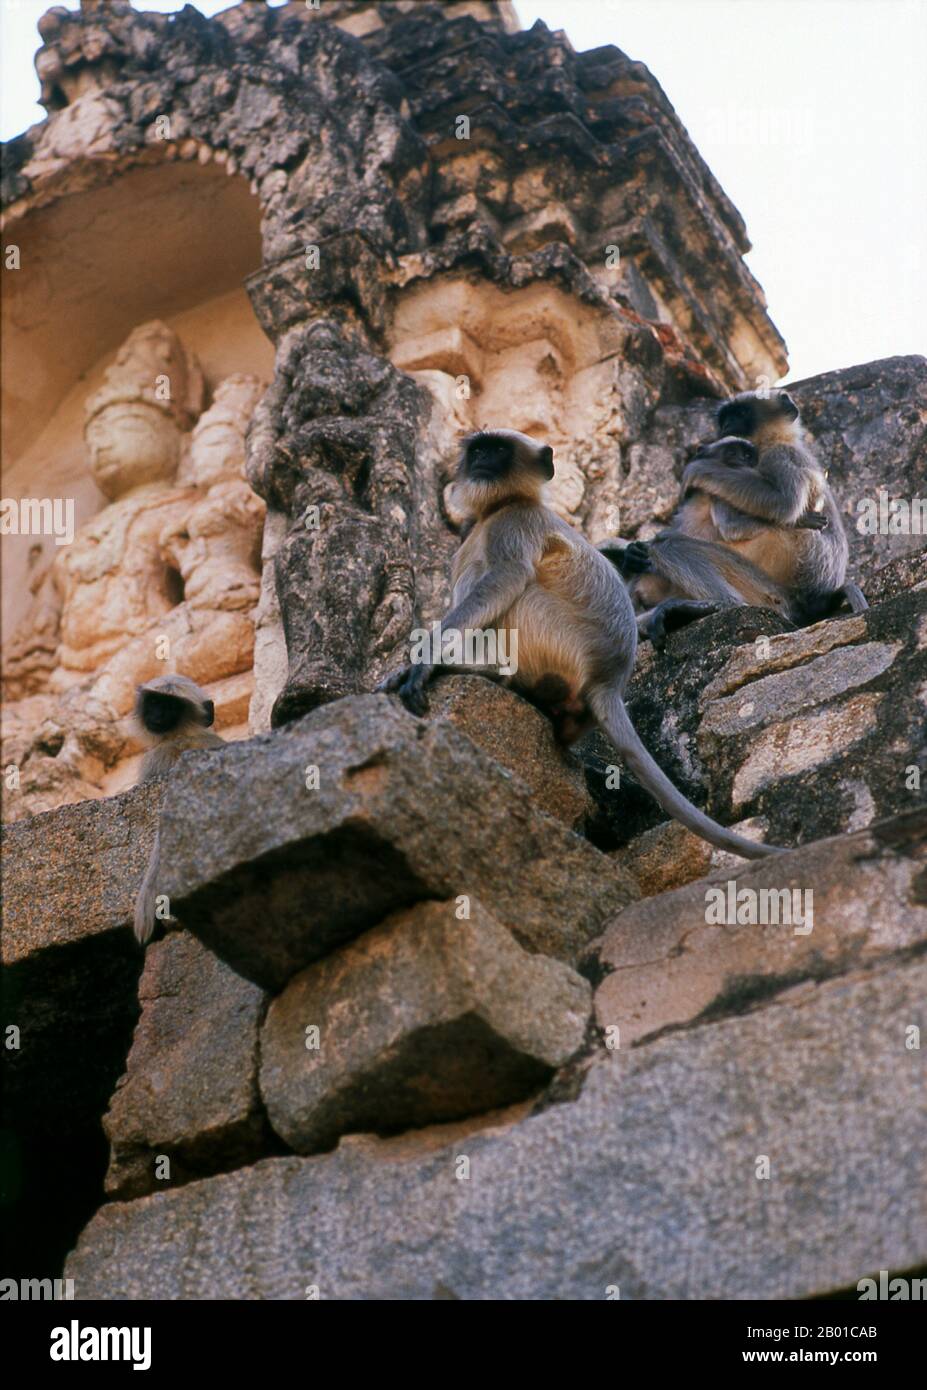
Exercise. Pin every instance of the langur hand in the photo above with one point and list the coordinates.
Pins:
(409, 683)
(629, 558)
(671, 614)
(812, 521)
(634, 559)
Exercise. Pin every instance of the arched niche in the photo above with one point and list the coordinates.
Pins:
(173, 241)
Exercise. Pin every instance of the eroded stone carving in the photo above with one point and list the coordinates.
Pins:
(534, 360)
(164, 577)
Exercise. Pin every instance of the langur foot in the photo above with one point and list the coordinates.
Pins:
(409, 683)
(671, 614)
(814, 608)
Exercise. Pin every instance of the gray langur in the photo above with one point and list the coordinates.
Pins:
(175, 713)
(688, 571)
(711, 518)
(759, 528)
(522, 568)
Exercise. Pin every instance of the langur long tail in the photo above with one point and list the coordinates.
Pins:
(609, 709)
(146, 900)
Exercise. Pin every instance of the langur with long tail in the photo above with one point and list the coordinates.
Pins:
(524, 569)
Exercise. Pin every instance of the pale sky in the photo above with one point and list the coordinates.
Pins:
(812, 114)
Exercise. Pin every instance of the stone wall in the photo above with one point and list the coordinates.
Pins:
(442, 1012)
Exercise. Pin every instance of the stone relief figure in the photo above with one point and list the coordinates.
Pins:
(212, 546)
(163, 578)
(333, 451)
(217, 548)
(538, 362)
(113, 580)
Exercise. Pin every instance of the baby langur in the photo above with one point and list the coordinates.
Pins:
(174, 711)
(521, 568)
(712, 518)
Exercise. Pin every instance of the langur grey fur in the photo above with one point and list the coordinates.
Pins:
(768, 527)
(521, 567)
(176, 713)
(711, 518)
(687, 571)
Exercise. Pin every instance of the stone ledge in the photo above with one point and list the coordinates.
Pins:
(647, 1181)
(669, 967)
(70, 962)
(518, 737)
(72, 873)
(190, 1092)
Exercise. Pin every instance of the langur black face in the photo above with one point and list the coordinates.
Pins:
(730, 452)
(161, 712)
(505, 457)
(488, 459)
(744, 414)
(498, 467)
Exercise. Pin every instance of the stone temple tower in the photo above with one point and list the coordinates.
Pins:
(343, 236)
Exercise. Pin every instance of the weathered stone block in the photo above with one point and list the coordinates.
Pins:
(833, 906)
(518, 737)
(190, 1091)
(666, 857)
(818, 730)
(867, 423)
(72, 873)
(647, 1181)
(70, 961)
(806, 686)
(897, 577)
(448, 350)
(279, 850)
(426, 1018)
(808, 732)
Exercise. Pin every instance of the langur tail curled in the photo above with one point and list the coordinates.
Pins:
(609, 709)
(145, 901)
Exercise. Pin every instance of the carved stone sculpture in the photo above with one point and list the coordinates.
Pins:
(164, 577)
